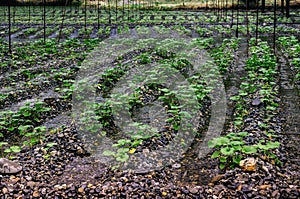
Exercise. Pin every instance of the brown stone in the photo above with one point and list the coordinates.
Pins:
(5, 190)
(193, 190)
(248, 164)
(239, 187)
(265, 186)
(36, 194)
(217, 178)
(30, 184)
(80, 190)
(164, 193)
(9, 167)
(256, 102)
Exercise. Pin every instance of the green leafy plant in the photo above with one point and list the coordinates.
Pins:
(261, 67)
(2, 144)
(231, 149)
(13, 149)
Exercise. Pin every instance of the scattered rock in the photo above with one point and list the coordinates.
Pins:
(9, 167)
(176, 166)
(194, 190)
(40, 173)
(80, 190)
(164, 193)
(31, 184)
(256, 102)
(265, 186)
(239, 188)
(5, 190)
(275, 193)
(36, 194)
(248, 164)
(265, 169)
(217, 178)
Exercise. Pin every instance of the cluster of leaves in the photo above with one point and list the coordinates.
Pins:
(128, 146)
(291, 47)
(144, 132)
(37, 52)
(260, 66)
(67, 88)
(231, 148)
(22, 126)
(167, 97)
(86, 32)
(23, 123)
(224, 55)
(197, 84)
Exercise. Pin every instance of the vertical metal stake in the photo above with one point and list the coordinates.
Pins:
(9, 29)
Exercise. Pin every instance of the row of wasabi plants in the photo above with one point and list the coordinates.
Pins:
(291, 49)
(257, 98)
(36, 86)
(135, 142)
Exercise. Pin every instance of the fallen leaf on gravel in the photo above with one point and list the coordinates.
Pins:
(164, 193)
(131, 151)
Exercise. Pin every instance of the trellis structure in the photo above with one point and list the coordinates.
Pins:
(48, 13)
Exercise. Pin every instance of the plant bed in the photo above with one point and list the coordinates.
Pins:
(252, 158)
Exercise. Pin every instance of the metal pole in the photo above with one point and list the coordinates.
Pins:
(232, 13)
(256, 31)
(109, 14)
(9, 29)
(98, 19)
(247, 18)
(237, 20)
(116, 11)
(29, 11)
(274, 30)
(263, 5)
(287, 11)
(85, 15)
(123, 8)
(44, 21)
